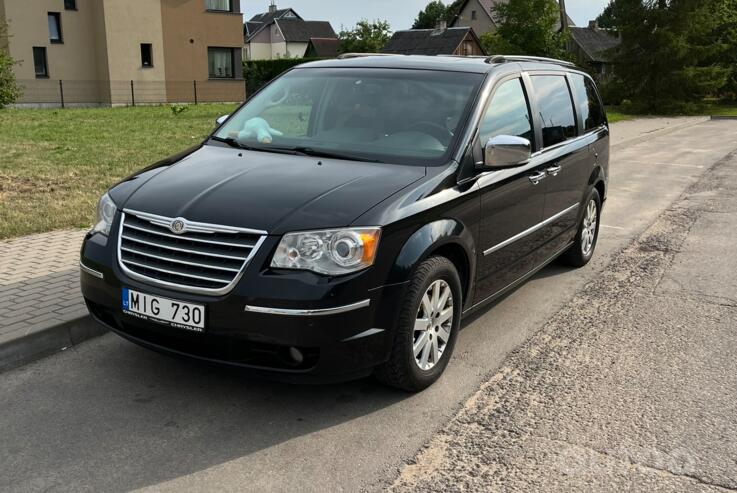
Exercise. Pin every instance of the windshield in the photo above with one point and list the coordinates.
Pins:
(383, 115)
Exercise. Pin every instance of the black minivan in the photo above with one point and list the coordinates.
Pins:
(345, 218)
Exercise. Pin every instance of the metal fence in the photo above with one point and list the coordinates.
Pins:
(63, 93)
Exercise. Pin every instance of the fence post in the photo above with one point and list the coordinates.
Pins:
(194, 85)
(133, 95)
(61, 92)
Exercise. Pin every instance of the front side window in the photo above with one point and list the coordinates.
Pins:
(220, 5)
(507, 114)
(589, 105)
(556, 108)
(220, 63)
(54, 19)
(40, 63)
(387, 115)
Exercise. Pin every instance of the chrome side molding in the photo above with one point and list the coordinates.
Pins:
(307, 313)
(528, 232)
(90, 271)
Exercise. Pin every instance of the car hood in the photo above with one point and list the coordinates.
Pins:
(264, 191)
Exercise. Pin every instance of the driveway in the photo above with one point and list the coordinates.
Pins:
(108, 415)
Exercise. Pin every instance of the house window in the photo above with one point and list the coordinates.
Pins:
(473, 15)
(219, 5)
(70, 4)
(147, 56)
(221, 63)
(40, 63)
(55, 27)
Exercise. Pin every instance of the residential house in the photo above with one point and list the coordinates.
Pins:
(592, 46)
(282, 33)
(113, 51)
(323, 48)
(481, 16)
(460, 41)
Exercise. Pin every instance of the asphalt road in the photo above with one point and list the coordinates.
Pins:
(110, 416)
(630, 387)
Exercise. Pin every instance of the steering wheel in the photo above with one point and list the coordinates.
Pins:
(279, 100)
(435, 129)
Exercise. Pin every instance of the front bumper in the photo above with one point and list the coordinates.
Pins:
(342, 327)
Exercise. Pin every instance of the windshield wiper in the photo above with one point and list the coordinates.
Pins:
(233, 143)
(310, 151)
(238, 145)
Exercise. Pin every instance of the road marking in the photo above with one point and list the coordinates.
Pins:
(611, 227)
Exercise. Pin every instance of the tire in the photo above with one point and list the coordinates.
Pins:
(404, 370)
(584, 245)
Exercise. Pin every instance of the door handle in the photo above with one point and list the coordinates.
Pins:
(554, 170)
(538, 177)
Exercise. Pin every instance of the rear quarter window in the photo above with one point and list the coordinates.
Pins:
(587, 100)
(557, 118)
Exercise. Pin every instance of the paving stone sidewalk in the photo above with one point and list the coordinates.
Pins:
(39, 291)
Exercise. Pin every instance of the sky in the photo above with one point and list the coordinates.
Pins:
(399, 13)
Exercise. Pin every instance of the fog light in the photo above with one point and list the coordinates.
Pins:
(296, 355)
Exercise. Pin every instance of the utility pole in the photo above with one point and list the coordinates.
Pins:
(563, 16)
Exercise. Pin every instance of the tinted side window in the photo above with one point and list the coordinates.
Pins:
(556, 108)
(589, 105)
(507, 113)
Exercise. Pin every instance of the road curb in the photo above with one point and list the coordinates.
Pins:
(20, 349)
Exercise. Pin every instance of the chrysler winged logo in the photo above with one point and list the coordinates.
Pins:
(178, 226)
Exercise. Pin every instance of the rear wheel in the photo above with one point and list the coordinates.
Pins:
(427, 328)
(580, 253)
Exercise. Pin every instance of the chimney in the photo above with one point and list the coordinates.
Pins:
(594, 25)
(442, 25)
(272, 7)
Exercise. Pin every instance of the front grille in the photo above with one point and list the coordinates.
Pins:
(205, 258)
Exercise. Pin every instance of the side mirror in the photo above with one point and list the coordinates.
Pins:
(507, 151)
(221, 120)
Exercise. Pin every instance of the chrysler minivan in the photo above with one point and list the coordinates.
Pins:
(346, 217)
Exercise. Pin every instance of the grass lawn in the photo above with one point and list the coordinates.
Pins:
(615, 116)
(54, 164)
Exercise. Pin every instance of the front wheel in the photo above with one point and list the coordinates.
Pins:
(427, 327)
(580, 253)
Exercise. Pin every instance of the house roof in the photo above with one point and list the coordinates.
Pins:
(427, 41)
(267, 17)
(250, 28)
(299, 31)
(594, 42)
(324, 47)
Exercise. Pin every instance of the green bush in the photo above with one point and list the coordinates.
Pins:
(260, 72)
(10, 91)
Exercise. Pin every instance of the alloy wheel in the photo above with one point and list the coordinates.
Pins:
(433, 324)
(588, 234)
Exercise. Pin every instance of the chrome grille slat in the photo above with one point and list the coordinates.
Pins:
(205, 258)
(178, 261)
(199, 240)
(177, 273)
(167, 247)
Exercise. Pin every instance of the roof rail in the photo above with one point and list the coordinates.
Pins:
(520, 58)
(464, 56)
(362, 55)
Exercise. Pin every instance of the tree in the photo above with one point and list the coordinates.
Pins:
(431, 16)
(437, 11)
(10, 91)
(606, 19)
(366, 37)
(674, 53)
(526, 27)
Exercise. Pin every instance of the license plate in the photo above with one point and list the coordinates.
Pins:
(174, 313)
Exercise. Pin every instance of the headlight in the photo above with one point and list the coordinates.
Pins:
(106, 210)
(332, 252)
